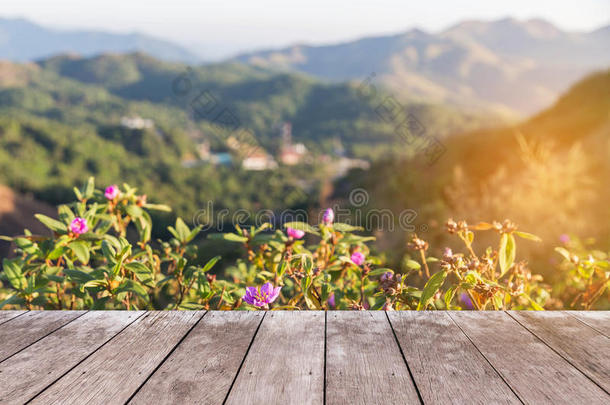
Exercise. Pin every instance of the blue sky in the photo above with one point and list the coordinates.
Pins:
(221, 28)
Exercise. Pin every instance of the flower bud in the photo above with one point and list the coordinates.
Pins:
(329, 216)
(295, 233)
(111, 192)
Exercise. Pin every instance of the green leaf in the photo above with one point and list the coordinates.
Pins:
(449, 296)
(412, 264)
(89, 188)
(564, 252)
(380, 271)
(341, 227)
(526, 235)
(13, 272)
(78, 276)
(124, 253)
(158, 207)
(301, 226)
(109, 252)
(12, 300)
(144, 226)
(134, 211)
(80, 250)
(431, 288)
(26, 245)
(182, 229)
(52, 224)
(533, 303)
(56, 252)
(132, 286)
(193, 233)
(78, 194)
(65, 214)
(311, 301)
(230, 237)
(143, 273)
(210, 264)
(508, 250)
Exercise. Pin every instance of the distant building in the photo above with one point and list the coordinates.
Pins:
(203, 150)
(222, 158)
(137, 122)
(290, 154)
(344, 165)
(259, 160)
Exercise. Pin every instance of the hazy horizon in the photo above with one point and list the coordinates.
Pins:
(217, 31)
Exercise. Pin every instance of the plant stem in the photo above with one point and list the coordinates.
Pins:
(423, 259)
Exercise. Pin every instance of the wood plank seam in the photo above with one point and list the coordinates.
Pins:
(42, 337)
(165, 358)
(558, 353)
(85, 358)
(421, 401)
(585, 323)
(486, 359)
(244, 359)
(16, 316)
(325, 337)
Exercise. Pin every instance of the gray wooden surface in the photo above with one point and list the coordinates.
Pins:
(113, 357)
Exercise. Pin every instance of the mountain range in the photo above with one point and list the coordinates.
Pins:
(22, 40)
(511, 65)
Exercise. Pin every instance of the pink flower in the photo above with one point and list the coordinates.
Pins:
(329, 216)
(358, 258)
(260, 297)
(466, 300)
(564, 238)
(111, 192)
(79, 225)
(295, 233)
(331, 300)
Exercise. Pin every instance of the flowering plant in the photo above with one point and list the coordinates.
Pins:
(101, 256)
(89, 261)
(585, 273)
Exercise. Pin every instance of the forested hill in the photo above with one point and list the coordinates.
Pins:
(60, 121)
(550, 173)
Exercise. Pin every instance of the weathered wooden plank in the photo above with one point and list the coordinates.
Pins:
(114, 372)
(363, 361)
(584, 347)
(285, 364)
(536, 373)
(599, 320)
(7, 315)
(22, 331)
(28, 372)
(203, 367)
(446, 366)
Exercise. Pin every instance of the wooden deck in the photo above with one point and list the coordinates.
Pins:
(103, 357)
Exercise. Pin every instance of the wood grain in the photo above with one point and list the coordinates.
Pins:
(363, 361)
(22, 331)
(114, 372)
(30, 371)
(285, 364)
(585, 348)
(599, 320)
(536, 373)
(7, 315)
(446, 366)
(202, 368)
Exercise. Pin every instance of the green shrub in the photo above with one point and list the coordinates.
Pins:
(100, 256)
